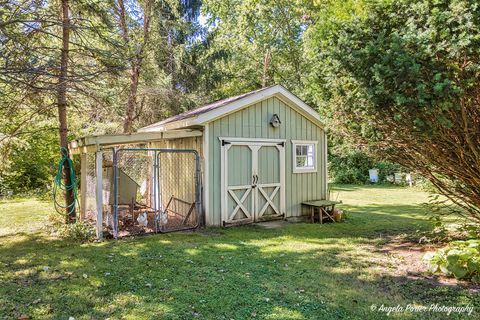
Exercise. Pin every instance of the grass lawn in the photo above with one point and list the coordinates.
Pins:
(299, 271)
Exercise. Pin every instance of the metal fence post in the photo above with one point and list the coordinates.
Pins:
(198, 190)
(155, 191)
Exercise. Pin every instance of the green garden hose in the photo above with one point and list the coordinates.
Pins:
(60, 188)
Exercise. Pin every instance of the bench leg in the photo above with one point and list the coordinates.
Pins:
(328, 215)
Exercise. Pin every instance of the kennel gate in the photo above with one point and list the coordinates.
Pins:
(169, 180)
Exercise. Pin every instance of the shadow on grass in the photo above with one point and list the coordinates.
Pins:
(353, 187)
(301, 271)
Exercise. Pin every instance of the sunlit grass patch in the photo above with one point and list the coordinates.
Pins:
(299, 271)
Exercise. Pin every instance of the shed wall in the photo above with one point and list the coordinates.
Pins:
(253, 122)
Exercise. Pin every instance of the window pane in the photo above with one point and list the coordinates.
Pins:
(298, 150)
(310, 161)
(304, 150)
(310, 150)
(301, 162)
(305, 156)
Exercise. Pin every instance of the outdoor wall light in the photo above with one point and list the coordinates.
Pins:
(275, 121)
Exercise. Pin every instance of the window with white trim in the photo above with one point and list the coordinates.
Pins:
(304, 156)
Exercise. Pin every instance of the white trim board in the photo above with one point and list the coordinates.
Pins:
(253, 140)
(278, 91)
(255, 145)
(76, 146)
(294, 156)
(206, 179)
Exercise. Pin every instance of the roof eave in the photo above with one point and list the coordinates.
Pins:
(92, 143)
(203, 119)
(180, 124)
(278, 91)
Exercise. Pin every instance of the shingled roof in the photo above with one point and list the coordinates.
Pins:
(205, 108)
(203, 114)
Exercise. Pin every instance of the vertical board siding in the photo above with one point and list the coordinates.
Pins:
(253, 122)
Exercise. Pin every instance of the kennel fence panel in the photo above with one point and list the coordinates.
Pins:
(154, 190)
(132, 174)
(179, 189)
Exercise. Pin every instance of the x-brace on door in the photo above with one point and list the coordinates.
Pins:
(253, 180)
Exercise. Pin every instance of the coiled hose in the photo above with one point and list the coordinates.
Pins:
(60, 188)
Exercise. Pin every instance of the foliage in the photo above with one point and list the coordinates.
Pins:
(460, 259)
(255, 43)
(171, 81)
(352, 167)
(80, 231)
(440, 211)
(97, 78)
(402, 79)
(30, 54)
(30, 164)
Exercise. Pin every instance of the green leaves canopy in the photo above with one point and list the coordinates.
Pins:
(403, 79)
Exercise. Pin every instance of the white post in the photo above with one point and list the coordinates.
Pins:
(283, 203)
(83, 185)
(325, 166)
(99, 192)
(206, 182)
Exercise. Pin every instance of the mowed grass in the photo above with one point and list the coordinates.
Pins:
(299, 271)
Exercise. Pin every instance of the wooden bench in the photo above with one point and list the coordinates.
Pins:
(322, 206)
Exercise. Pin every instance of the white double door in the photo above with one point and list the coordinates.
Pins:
(253, 180)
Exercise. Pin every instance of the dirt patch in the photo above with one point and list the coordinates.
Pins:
(275, 224)
(404, 259)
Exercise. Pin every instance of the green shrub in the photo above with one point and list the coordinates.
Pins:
(385, 169)
(80, 231)
(352, 168)
(460, 259)
(29, 164)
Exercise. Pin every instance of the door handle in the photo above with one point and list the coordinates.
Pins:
(255, 180)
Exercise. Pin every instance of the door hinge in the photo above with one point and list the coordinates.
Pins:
(225, 142)
(281, 144)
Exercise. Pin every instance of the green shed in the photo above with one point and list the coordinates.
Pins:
(264, 153)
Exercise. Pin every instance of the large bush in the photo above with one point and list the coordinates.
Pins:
(28, 164)
(352, 167)
(403, 80)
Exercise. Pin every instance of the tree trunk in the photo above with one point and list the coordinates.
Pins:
(266, 62)
(62, 106)
(132, 98)
(131, 112)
